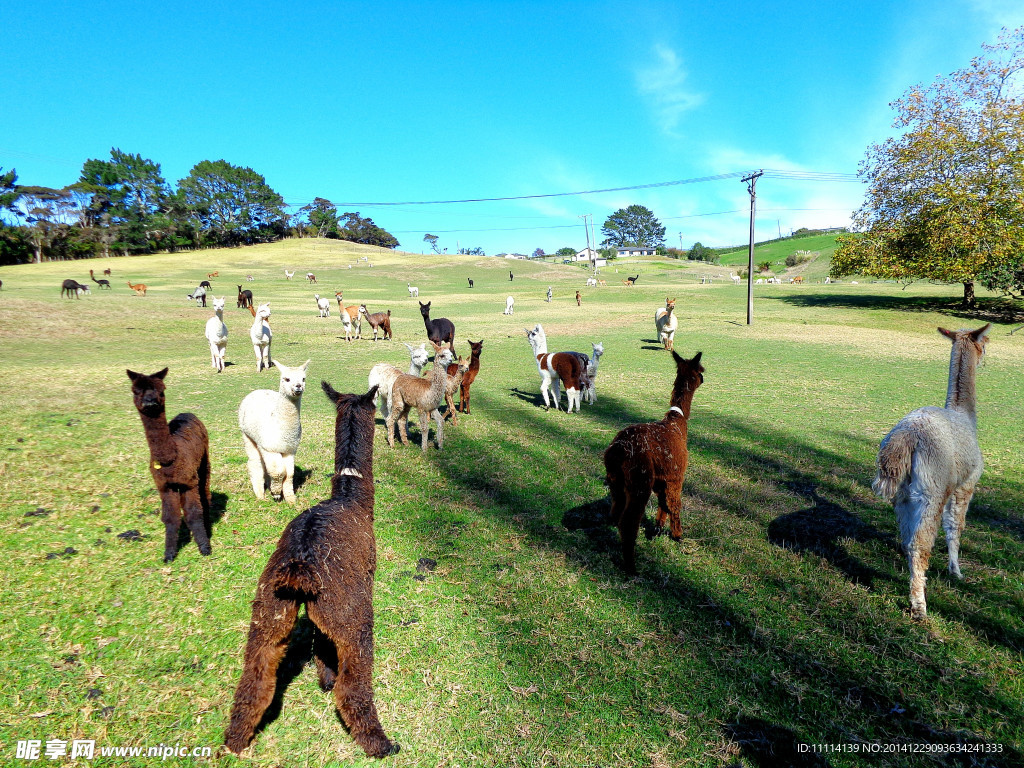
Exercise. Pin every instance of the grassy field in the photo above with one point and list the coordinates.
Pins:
(780, 620)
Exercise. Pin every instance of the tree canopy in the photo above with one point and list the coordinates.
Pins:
(945, 199)
(231, 205)
(635, 225)
(356, 229)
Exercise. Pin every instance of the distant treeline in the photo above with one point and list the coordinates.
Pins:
(124, 206)
(699, 252)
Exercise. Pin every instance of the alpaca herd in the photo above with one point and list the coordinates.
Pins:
(928, 467)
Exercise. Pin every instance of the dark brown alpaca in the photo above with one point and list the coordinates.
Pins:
(440, 330)
(326, 558)
(179, 460)
(652, 457)
(470, 375)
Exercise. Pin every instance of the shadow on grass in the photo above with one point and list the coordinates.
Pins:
(820, 655)
(993, 310)
(218, 506)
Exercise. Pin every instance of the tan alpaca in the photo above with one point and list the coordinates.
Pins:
(929, 464)
(452, 386)
(665, 323)
(425, 395)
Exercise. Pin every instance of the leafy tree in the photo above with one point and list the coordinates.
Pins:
(231, 205)
(566, 252)
(608, 253)
(634, 225)
(8, 190)
(538, 253)
(764, 266)
(477, 251)
(699, 252)
(323, 217)
(432, 241)
(14, 245)
(945, 199)
(45, 211)
(356, 229)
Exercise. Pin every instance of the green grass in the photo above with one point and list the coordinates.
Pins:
(780, 619)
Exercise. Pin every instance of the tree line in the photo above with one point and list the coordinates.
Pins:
(123, 206)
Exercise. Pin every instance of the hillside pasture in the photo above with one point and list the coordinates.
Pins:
(506, 632)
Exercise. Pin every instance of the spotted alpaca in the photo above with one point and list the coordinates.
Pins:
(564, 367)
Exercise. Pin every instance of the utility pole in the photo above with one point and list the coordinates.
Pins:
(586, 229)
(751, 182)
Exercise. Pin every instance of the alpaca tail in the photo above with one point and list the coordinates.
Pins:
(894, 462)
(298, 576)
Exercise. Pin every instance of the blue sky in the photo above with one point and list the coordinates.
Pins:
(406, 102)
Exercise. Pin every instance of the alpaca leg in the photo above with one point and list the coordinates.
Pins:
(450, 411)
(352, 637)
(257, 472)
(629, 524)
(195, 518)
(919, 522)
(403, 425)
(389, 426)
(170, 515)
(289, 478)
(572, 395)
(556, 392)
(276, 472)
(272, 622)
(464, 398)
(953, 519)
(670, 503)
(424, 428)
(259, 357)
(326, 656)
(439, 434)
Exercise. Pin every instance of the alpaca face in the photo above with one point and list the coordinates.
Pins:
(689, 373)
(293, 380)
(148, 392)
(598, 350)
(424, 309)
(218, 304)
(418, 355)
(537, 339)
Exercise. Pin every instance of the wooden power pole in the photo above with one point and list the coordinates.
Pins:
(751, 182)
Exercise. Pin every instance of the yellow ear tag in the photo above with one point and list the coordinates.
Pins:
(157, 465)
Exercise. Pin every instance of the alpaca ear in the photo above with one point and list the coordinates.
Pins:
(330, 391)
(696, 359)
(947, 333)
(677, 358)
(305, 365)
(982, 333)
(160, 374)
(370, 396)
(133, 375)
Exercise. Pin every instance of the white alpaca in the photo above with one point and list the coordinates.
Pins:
(554, 369)
(323, 304)
(735, 278)
(929, 464)
(591, 282)
(665, 323)
(383, 375)
(509, 304)
(217, 335)
(198, 295)
(261, 335)
(289, 275)
(589, 380)
(414, 292)
(271, 430)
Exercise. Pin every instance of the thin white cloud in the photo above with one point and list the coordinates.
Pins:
(662, 83)
(1000, 13)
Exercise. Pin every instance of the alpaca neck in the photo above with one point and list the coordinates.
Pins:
(960, 395)
(162, 449)
(682, 400)
(353, 457)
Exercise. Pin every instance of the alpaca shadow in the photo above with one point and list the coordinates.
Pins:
(298, 655)
(533, 398)
(659, 348)
(218, 506)
(821, 529)
(594, 519)
(767, 745)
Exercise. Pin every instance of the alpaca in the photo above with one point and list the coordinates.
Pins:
(509, 306)
(355, 319)
(244, 298)
(261, 335)
(311, 277)
(631, 281)
(550, 294)
(206, 284)
(217, 334)
(214, 274)
(456, 372)
(470, 281)
(414, 292)
(579, 299)
(440, 330)
(139, 288)
(665, 323)
(271, 429)
(652, 457)
(102, 283)
(107, 272)
(289, 275)
(383, 375)
(199, 294)
(564, 366)
(324, 305)
(346, 322)
(249, 278)
(378, 320)
(338, 298)
(590, 373)
(179, 460)
(326, 558)
(929, 464)
(425, 395)
(471, 373)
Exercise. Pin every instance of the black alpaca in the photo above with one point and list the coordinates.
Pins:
(326, 558)
(440, 331)
(244, 298)
(179, 460)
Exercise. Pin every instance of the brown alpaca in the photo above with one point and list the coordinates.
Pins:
(470, 376)
(139, 288)
(425, 395)
(179, 460)
(213, 274)
(454, 382)
(378, 320)
(107, 271)
(326, 558)
(652, 457)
